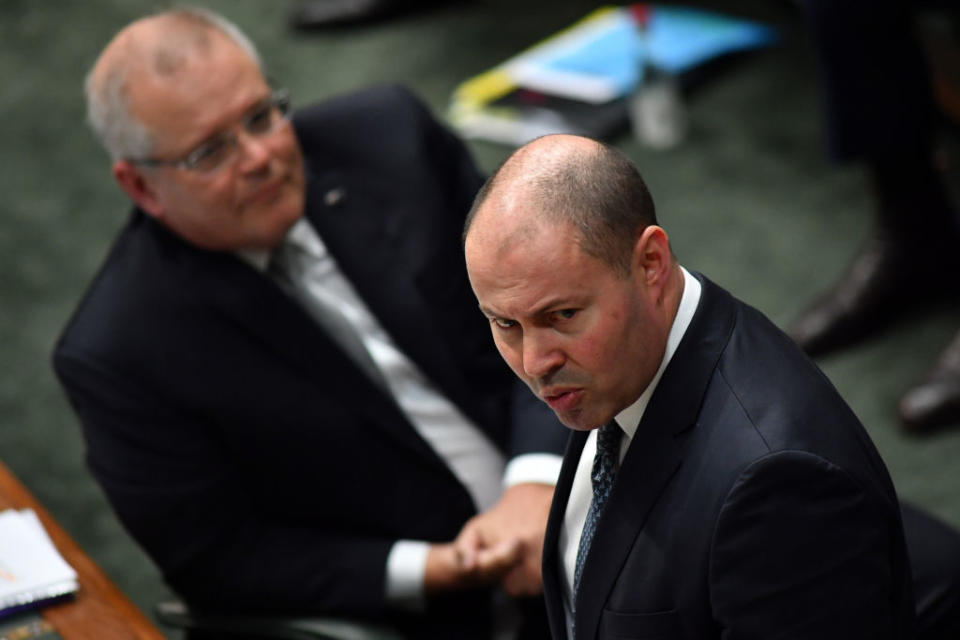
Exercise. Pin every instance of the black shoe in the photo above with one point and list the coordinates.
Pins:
(313, 14)
(935, 402)
(887, 277)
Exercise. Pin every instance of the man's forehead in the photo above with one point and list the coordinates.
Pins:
(519, 224)
(207, 91)
(169, 65)
(528, 267)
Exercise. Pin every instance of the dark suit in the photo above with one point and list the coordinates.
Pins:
(750, 504)
(251, 458)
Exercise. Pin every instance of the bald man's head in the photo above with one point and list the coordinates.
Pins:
(564, 179)
(577, 282)
(153, 49)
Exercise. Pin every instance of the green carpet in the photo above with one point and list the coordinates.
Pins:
(749, 199)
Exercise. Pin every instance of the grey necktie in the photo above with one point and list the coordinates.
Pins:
(291, 265)
(604, 469)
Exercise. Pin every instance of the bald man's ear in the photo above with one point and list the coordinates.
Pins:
(137, 187)
(652, 258)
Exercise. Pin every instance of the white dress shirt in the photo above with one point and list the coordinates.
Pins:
(581, 492)
(472, 458)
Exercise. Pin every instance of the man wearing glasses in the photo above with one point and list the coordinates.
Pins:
(284, 386)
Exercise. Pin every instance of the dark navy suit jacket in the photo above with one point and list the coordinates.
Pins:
(238, 443)
(750, 504)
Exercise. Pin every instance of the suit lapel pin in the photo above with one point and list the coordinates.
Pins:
(335, 196)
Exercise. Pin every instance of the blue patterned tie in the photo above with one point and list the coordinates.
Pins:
(604, 469)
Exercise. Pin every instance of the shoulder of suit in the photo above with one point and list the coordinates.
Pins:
(378, 105)
(143, 275)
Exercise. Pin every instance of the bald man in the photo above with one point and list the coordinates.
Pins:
(284, 386)
(716, 485)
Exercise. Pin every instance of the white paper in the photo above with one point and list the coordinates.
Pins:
(31, 568)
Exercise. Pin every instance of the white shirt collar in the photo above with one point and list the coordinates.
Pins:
(256, 258)
(629, 418)
(301, 232)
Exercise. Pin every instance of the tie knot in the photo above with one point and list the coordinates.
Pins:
(282, 257)
(300, 243)
(608, 439)
(293, 260)
(607, 458)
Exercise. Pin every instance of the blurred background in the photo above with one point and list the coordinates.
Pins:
(749, 198)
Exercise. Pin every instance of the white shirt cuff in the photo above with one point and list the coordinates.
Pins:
(541, 468)
(406, 566)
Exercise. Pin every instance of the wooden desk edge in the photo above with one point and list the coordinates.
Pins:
(100, 610)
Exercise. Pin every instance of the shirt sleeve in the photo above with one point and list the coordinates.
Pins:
(541, 468)
(406, 565)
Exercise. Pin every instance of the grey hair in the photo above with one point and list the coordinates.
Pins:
(108, 109)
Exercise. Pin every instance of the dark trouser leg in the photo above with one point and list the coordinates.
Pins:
(879, 111)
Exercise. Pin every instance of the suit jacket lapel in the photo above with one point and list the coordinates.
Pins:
(645, 473)
(373, 250)
(249, 299)
(552, 581)
(655, 453)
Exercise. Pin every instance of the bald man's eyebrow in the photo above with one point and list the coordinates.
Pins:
(551, 304)
(488, 312)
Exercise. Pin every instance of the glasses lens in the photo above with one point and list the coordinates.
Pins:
(210, 155)
(262, 120)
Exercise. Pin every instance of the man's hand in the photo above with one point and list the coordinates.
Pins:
(518, 520)
(447, 571)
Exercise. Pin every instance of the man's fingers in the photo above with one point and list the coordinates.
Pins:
(467, 545)
(496, 560)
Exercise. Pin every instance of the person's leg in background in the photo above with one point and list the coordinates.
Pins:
(880, 112)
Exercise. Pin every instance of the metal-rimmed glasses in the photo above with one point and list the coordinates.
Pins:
(262, 120)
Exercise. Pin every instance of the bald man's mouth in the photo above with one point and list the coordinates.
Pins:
(562, 399)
